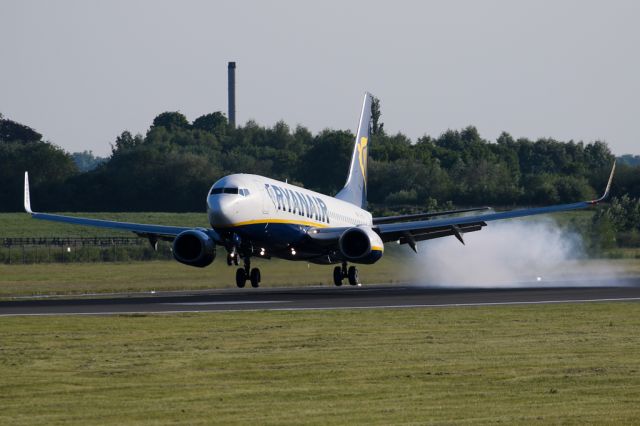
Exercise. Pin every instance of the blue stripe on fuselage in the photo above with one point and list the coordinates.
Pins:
(271, 235)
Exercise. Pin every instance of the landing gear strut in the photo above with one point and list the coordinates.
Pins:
(232, 258)
(244, 273)
(342, 272)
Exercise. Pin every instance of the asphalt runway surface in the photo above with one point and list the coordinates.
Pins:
(316, 298)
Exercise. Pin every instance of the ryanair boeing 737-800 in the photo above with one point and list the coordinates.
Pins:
(254, 216)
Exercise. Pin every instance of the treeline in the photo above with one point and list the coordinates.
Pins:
(172, 166)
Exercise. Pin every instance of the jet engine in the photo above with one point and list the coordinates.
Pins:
(361, 245)
(194, 248)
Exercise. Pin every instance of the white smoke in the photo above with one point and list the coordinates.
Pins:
(510, 253)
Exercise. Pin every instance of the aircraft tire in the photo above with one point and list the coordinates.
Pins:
(229, 259)
(353, 275)
(241, 277)
(337, 276)
(255, 278)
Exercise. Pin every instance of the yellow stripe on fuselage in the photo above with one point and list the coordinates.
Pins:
(267, 221)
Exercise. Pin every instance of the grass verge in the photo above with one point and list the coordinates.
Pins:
(570, 364)
(108, 277)
(77, 278)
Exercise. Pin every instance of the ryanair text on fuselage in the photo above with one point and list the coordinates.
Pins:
(295, 202)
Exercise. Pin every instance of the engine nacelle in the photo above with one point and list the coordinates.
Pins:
(194, 248)
(361, 245)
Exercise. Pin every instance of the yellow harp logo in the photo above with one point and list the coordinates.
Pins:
(362, 157)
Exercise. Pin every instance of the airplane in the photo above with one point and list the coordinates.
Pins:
(253, 216)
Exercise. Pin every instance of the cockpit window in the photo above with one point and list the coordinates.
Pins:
(242, 191)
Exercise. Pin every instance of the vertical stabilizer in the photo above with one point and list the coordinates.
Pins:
(355, 190)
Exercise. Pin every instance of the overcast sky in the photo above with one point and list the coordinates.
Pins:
(81, 72)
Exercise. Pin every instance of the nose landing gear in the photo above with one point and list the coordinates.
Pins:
(342, 272)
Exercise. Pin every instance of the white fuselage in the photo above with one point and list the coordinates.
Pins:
(251, 199)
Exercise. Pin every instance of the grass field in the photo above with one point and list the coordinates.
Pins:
(74, 278)
(569, 364)
(108, 277)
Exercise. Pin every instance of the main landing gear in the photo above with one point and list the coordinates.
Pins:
(244, 273)
(341, 272)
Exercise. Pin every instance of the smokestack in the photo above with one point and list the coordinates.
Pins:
(231, 71)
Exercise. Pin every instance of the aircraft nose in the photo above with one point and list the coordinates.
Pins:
(222, 209)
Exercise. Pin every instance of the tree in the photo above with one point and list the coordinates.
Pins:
(10, 131)
(126, 141)
(325, 165)
(377, 127)
(86, 161)
(603, 235)
(171, 120)
(215, 123)
(629, 160)
(51, 168)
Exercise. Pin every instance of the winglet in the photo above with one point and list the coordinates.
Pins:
(27, 197)
(608, 188)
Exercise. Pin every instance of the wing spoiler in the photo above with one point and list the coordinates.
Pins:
(418, 216)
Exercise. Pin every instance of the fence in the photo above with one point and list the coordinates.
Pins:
(80, 249)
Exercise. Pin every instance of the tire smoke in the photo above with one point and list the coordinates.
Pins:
(514, 253)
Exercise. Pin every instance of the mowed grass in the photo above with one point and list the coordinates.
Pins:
(569, 364)
(107, 277)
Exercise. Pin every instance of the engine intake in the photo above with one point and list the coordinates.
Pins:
(194, 248)
(361, 245)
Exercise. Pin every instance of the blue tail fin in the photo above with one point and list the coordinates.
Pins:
(355, 190)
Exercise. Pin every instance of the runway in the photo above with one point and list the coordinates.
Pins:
(316, 298)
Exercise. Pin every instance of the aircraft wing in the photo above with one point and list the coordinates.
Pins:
(417, 216)
(153, 232)
(411, 232)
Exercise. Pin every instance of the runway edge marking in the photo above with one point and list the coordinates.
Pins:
(444, 305)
